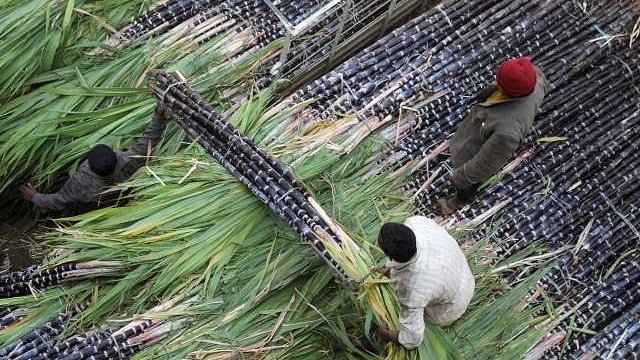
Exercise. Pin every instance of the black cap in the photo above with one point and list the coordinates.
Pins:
(102, 160)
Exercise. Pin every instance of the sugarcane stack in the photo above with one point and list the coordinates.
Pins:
(572, 188)
(33, 278)
(253, 25)
(269, 180)
(578, 184)
(40, 338)
(50, 341)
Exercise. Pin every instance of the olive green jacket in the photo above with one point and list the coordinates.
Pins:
(491, 132)
(82, 192)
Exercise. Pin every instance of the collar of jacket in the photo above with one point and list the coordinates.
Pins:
(497, 102)
(486, 93)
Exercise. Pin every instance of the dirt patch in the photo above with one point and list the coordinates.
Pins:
(17, 244)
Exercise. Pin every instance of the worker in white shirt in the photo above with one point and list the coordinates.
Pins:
(430, 276)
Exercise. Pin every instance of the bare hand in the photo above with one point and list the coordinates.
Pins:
(385, 271)
(28, 192)
(385, 333)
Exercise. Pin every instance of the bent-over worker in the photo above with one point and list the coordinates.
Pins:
(430, 276)
(103, 168)
(493, 129)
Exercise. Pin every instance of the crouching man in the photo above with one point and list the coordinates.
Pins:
(430, 276)
(104, 167)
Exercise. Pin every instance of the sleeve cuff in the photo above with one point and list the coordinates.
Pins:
(409, 340)
(37, 199)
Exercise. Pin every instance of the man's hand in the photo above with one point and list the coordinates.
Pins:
(28, 192)
(386, 334)
(160, 112)
(385, 271)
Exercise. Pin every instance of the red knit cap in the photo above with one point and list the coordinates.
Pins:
(517, 77)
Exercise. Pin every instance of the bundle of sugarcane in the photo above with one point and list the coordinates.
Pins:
(41, 337)
(265, 23)
(29, 280)
(272, 182)
(50, 342)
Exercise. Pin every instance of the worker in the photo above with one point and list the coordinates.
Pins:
(493, 129)
(429, 274)
(85, 189)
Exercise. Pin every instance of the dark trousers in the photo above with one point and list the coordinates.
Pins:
(467, 194)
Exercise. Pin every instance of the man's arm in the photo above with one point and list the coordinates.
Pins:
(542, 78)
(151, 135)
(75, 190)
(411, 331)
(493, 155)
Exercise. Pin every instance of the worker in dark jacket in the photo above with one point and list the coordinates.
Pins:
(494, 128)
(104, 168)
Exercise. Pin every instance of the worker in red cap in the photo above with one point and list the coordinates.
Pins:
(493, 129)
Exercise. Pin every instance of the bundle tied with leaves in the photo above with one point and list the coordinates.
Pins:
(275, 185)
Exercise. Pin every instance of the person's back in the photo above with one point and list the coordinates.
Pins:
(430, 276)
(438, 279)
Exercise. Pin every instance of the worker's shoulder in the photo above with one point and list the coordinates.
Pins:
(540, 72)
(419, 221)
(122, 154)
(422, 227)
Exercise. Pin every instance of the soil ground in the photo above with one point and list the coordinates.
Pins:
(17, 244)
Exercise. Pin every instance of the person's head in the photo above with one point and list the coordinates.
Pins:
(516, 77)
(102, 160)
(397, 241)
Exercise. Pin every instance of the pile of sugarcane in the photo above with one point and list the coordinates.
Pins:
(40, 339)
(269, 180)
(49, 340)
(574, 186)
(254, 24)
(263, 295)
(422, 75)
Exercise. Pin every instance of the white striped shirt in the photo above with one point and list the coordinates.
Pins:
(436, 281)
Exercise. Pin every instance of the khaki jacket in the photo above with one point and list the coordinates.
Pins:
(83, 191)
(491, 132)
